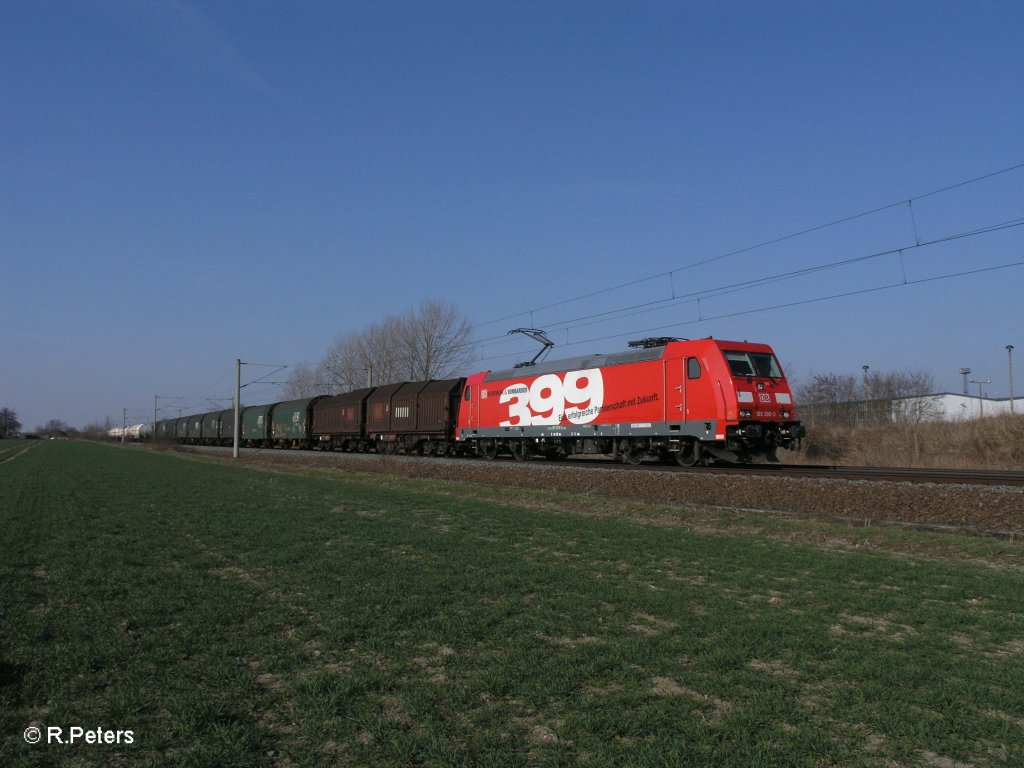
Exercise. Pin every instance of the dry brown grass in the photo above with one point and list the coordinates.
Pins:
(992, 443)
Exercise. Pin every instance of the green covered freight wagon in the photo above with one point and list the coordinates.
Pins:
(226, 435)
(291, 423)
(256, 426)
(194, 429)
(211, 428)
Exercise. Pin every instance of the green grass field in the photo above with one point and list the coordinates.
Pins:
(228, 615)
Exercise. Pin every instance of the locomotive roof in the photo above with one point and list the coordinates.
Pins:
(578, 363)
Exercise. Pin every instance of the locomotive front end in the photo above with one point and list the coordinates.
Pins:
(760, 413)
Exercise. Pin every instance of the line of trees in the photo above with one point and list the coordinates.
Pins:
(848, 388)
(55, 427)
(10, 425)
(427, 342)
(867, 400)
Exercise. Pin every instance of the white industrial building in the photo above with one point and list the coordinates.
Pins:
(947, 406)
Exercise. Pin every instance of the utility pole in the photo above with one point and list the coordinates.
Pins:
(1009, 353)
(238, 395)
(981, 399)
(238, 411)
(124, 423)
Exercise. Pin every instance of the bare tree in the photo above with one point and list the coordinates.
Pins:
(380, 353)
(828, 388)
(53, 427)
(306, 380)
(428, 342)
(357, 358)
(9, 424)
(434, 340)
(847, 388)
(907, 390)
(874, 399)
(890, 386)
(96, 431)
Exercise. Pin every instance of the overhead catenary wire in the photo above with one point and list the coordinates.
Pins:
(696, 296)
(801, 302)
(772, 279)
(763, 244)
(785, 305)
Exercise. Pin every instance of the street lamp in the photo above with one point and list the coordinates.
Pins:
(981, 401)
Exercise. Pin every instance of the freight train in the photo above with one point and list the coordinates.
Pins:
(688, 402)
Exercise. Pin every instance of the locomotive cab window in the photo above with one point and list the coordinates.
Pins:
(693, 368)
(469, 394)
(762, 364)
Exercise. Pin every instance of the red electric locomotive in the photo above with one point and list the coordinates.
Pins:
(691, 401)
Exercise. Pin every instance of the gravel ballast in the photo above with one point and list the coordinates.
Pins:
(980, 508)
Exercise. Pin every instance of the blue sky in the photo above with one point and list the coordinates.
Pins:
(188, 183)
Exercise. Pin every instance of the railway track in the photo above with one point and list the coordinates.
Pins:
(821, 472)
(831, 472)
(878, 474)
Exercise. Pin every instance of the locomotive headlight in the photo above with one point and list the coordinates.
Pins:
(784, 414)
(745, 414)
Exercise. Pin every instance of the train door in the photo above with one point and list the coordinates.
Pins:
(471, 404)
(675, 389)
(698, 396)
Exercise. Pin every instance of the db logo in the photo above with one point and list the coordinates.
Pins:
(765, 397)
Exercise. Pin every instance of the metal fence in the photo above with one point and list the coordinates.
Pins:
(862, 413)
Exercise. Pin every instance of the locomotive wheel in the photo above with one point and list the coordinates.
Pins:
(489, 449)
(633, 456)
(688, 455)
(519, 450)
